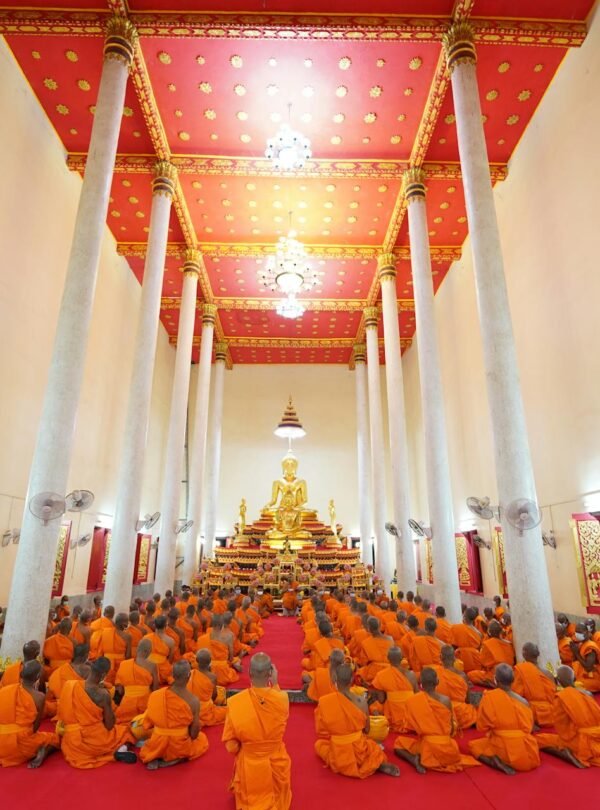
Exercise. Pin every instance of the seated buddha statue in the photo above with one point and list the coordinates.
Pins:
(288, 499)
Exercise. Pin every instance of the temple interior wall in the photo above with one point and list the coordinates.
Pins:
(548, 219)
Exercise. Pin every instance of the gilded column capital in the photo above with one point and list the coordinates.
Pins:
(165, 178)
(191, 265)
(360, 353)
(371, 317)
(121, 39)
(459, 45)
(209, 314)
(414, 184)
(386, 267)
(221, 351)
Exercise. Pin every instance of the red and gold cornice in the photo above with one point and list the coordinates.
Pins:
(330, 27)
(289, 343)
(267, 305)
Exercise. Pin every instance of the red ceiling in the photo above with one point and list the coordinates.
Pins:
(361, 102)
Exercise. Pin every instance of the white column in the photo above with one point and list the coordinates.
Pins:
(121, 559)
(406, 574)
(173, 469)
(529, 589)
(198, 449)
(363, 452)
(383, 556)
(439, 490)
(213, 449)
(34, 566)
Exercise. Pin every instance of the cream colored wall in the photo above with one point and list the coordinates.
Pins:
(38, 200)
(548, 219)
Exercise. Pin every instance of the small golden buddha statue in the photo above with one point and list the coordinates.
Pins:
(332, 516)
(288, 498)
(242, 516)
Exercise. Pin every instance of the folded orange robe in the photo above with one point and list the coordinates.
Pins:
(176, 638)
(421, 615)
(86, 742)
(289, 601)
(137, 683)
(321, 651)
(112, 646)
(396, 630)
(249, 633)
(435, 726)
(407, 607)
(55, 686)
(343, 746)
(320, 683)
(188, 632)
(576, 718)
(76, 635)
(467, 641)
(12, 674)
(538, 690)
(160, 657)
(219, 606)
(589, 680)
(398, 689)
(137, 634)
(266, 604)
(220, 665)
(254, 728)
(507, 723)
(18, 742)
(169, 717)
(455, 687)
(426, 651)
(350, 625)
(58, 650)
(355, 647)
(202, 686)
(97, 626)
(494, 651)
(444, 631)
(375, 652)
(565, 651)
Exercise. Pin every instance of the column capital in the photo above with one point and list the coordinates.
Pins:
(414, 184)
(221, 351)
(191, 266)
(121, 39)
(459, 45)
(386, 267)
(360, 353)
(371, 317)
(165, 178)
(209, 314)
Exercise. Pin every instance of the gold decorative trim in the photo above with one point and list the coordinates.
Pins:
(360, 353)
(459, 45)
(386, 267)
(209, 314)
(121, 40)
(192, 264)
(221, 348)
(414, 185)
(371, 317)
(165, 178)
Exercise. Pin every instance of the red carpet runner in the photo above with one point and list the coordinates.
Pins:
(551, 787)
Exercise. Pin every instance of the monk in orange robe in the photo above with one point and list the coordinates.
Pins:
(576, 718)
(97, 626)
(498, 609)
(422, 611)
(396, 628)
(219, 604)
(289, 602)
(494, 650)
(506, 718)
(406, 642)
(586, 655)
(91, 737)
(355, 647)
(76, 670)
(444, 628)
(321, 681)
(254, 727)
(136, 631)
(467, 641)
(232, 632)
(224, 664)
(536, 685)
(408, 606)
(58, 648)
(426, 647)
(176, 633)
(564, 645)
(183, 603)
(190, 628)
(173, 716)
(342, 723)
(163, 649)
(375, 649)
(392, 687)
(322, 647)
(429, 714)
(115, 644)
(97, 608)
(21, 712)
(81, 630)
(135, 679)
(265, 601)
(453, 683)
(12, 673)
(203, 684)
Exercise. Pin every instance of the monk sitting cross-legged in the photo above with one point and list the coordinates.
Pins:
(322, 647)
(453, 683)
(58, 648)
(96, 628)
(429, 714)
(535, 685)
(163, 649)
(12, 673)
(77, 670)
(564, 644)
(21, 712)
(375, 648)
(254, 728)
(225, 666)
(426, 647)
(81, 631)
(467, 639)
(91, 737)
(576, 718)
(586, 654)
(506, 718)
(190, 628)
(173, 715)
(494, 650)
(321, 681)
(342, 723)
(115, 644)
(135, 679)
(392, 687)
(203, 684)
(136, 631)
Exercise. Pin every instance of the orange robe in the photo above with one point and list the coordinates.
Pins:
(12, 674)
(355, 647)
(589, 680)
(507, 723)
(435, 726)
(58, 650)
(220, 665)
(254, 728)
(97, 627)
(320, 683)
(137, 683)
(467, 641)
(173, 634)
(86, 742)
(456, 688)
(219, 605)
(202, 686)
(375, 652)
(188, 631)
(321, 650)
(444, 631)
(266, 604)
(112, 646)
(76, 635)
(249, 633)
(137, 634)
(565, 651)
(398, 689)
(494, 651)
(55, 686)
(343, 746)
(421, 615)
(576, 718)
(18, 742)
(396, 630)
(289, 601)
(168, 717)
(407, 607)
(426, 651)
(160, 657)
(538, 690)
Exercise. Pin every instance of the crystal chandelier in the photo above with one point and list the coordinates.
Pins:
(289, 149)
(290, 307)
(288, 271)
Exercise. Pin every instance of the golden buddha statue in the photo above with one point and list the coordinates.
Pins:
(288, 499)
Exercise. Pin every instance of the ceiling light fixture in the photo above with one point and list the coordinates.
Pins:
(289, 150)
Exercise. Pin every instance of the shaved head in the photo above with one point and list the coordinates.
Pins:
(31, 672)
(430, 626)
(31, 650)
(530, 651)
(109, 611)
(260, 668)
(122, 620)
(203, 659)
(395, 656)
(494, 629)
(160, 622)
(343, 676)
(100, 668)
(336, 658)
(372, 624)
(181, 672)
(64, 626)
(80, 653)
(429, 678)
(504, 675)
(447, 654)
(565, 676)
